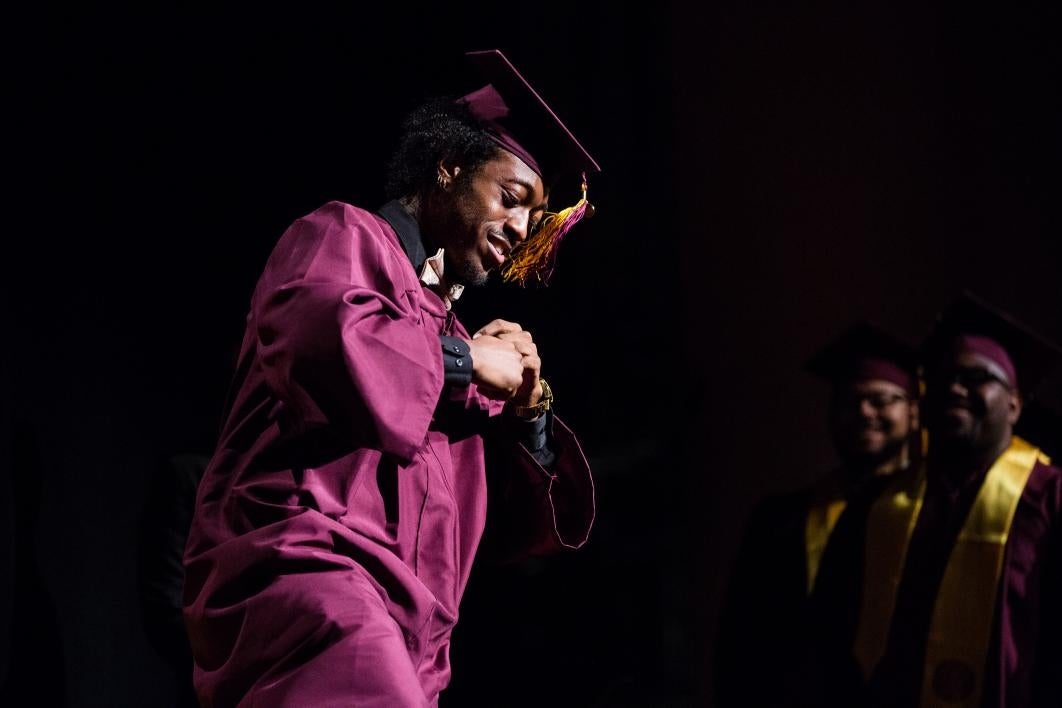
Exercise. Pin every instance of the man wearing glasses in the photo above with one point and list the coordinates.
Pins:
(955, 598)
(873, 421)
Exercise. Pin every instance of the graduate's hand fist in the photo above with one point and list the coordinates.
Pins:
(496, 328)
(528, 391)
(497, 366)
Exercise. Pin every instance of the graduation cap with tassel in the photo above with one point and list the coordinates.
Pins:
(514, 116)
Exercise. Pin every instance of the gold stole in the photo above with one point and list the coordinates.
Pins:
(822, 517)
(961, 626)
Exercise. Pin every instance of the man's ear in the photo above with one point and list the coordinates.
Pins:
(1014, 407)
(915, 416)
(447, 174)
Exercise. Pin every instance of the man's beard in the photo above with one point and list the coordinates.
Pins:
(463, 220)
(960, 435)
(464, 273)
(979, 436)
(891, 450)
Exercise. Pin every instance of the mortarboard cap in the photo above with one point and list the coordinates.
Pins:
(970, 323)
(864, 352)
(516, 117)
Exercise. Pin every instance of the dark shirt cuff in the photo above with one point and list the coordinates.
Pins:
(534, 432)
(457, 361)
(535, 435)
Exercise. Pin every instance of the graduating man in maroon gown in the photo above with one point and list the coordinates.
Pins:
(764, 622)
(337, 521)
(945, 590)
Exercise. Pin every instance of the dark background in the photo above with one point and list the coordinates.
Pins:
(770, 175)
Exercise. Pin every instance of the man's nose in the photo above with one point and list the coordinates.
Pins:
(956, 388)
(516, 226)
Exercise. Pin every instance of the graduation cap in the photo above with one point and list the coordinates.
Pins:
(865, 351)
(515, 116)
(971, 324)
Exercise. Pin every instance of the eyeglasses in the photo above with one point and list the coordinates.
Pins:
(877, 401)
(968, 377)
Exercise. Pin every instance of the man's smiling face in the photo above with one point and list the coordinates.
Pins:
(478, 218)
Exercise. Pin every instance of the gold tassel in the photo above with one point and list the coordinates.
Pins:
(536, 257)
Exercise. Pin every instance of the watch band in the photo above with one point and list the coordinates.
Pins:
(544, 404)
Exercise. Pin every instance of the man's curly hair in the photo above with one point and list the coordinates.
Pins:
(440, 129)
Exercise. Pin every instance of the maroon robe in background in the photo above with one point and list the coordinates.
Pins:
(1024, 663)
(765, 648)
(764, 628)
(337, 522)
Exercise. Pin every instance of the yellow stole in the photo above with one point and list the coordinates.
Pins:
(961, 626)
(822, 517)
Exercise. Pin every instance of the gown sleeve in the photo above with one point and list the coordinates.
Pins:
(339, 332)
(1047, 680)
(535, 509)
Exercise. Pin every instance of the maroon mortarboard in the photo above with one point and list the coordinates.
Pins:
(971, 324)
(864, 352)
(516, 117)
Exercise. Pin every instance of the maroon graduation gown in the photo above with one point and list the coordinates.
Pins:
(765, 648)
(338, 519)
(1024, 664)
(763, 621)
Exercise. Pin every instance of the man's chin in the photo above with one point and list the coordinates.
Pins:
(477, 281)
(470, 276)
(953, 428)
(868, 442)
(868, 453)
(875, 452)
